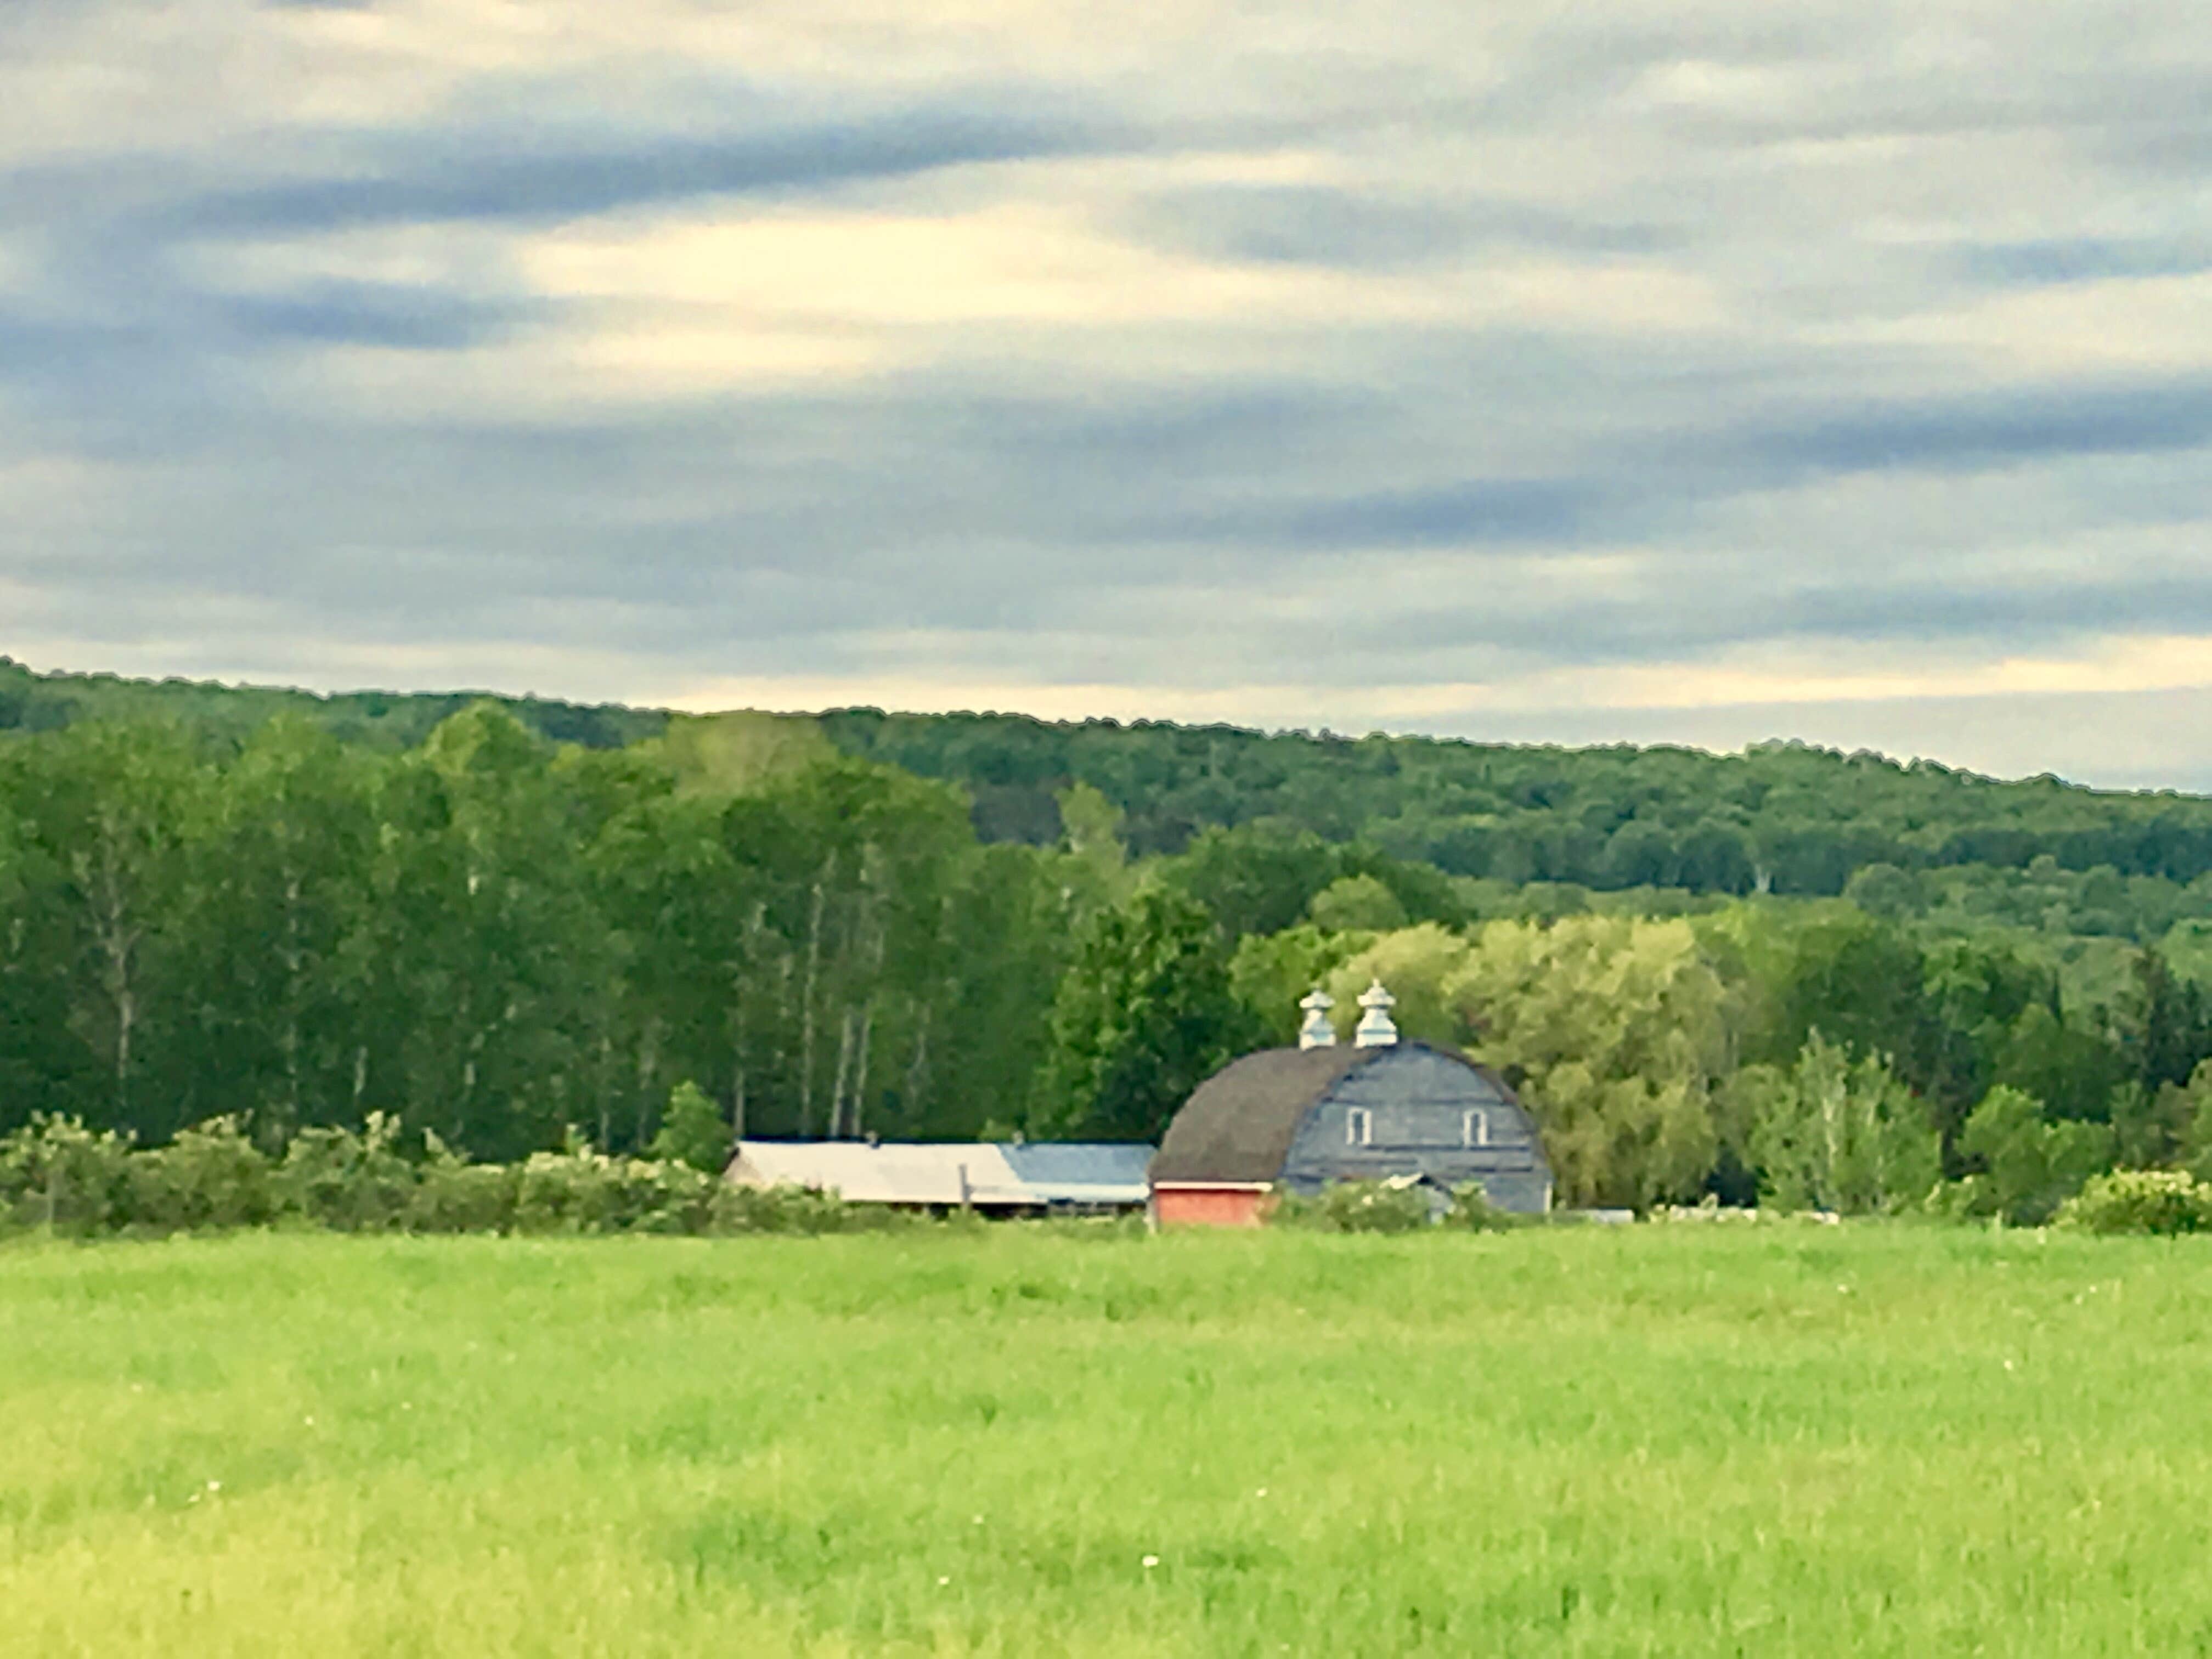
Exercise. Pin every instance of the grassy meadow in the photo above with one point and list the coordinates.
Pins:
(1678, 1440)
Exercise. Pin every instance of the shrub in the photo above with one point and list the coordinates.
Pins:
(734, 1209)
(2033, 1163)
(1472, 1212)
(57, 1173)
(676, 1197)
(2158, 1202)
(210, 1178)
(1970, 1198)
(1356, 1206)
(583, 1191)
(1711, 1211)
(452, 1195)
(347, 1181)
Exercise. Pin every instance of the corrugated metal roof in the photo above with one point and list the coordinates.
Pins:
(1082, 1167)
(970, 1172)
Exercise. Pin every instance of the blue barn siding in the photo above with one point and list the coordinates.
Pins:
(1417, 1100)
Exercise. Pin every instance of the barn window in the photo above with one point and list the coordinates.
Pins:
(1474, 1130)
(1358, 1127)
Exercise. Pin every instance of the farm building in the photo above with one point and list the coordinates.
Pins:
(1007, 1177)
(1377, 1110)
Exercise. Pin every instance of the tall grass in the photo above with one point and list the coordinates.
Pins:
(1877, 1440)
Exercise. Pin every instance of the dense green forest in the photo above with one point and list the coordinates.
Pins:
(1556, 825)
(31, 701)
(1828, 977)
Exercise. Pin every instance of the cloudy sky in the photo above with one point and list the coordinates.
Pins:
(1706, 371)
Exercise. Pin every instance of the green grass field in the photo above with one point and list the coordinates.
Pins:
(1682, 1440)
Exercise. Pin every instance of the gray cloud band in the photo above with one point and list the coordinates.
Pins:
(1392, 488)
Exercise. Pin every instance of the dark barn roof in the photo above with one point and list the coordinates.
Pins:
(1239, 1125)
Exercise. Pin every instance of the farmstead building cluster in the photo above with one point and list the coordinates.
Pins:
(1292, 1119)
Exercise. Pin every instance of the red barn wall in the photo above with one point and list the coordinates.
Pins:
(1210, 1207)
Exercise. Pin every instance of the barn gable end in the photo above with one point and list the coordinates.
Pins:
(1415, 1110)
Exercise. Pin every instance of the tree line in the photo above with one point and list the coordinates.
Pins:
(1784, 818)
(494, 939)
(502, 940)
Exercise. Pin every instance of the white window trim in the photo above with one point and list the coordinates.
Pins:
(1474, 1128)
(1358, 1127)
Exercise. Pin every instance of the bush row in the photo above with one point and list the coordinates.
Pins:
(56, 1174)
(1390, 1206)
(2158, 1201)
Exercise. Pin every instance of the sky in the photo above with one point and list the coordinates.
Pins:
(1704, 372)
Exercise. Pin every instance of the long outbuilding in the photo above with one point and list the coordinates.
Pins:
(1006, 1176)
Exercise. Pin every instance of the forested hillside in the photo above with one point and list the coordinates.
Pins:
(501, 923)
(1784, 817)
(32, 702)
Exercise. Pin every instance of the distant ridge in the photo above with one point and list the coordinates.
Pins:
(34, 701)
(1783, 817)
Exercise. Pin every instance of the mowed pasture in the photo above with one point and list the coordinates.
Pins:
(1025, 1441)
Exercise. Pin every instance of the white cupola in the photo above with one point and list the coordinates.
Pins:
(1375, 1029)
(1317, 1032)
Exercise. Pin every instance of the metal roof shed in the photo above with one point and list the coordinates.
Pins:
(982, 1175)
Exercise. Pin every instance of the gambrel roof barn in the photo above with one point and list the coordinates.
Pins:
(1301, 1118)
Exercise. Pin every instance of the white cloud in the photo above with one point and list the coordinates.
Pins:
(2128, 324)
